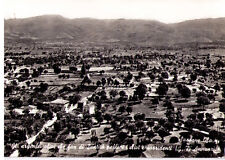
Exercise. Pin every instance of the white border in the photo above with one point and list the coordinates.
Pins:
(2, 78)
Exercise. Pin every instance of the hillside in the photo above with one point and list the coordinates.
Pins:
(53, 27)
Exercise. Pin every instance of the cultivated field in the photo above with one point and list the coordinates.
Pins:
(72, 101)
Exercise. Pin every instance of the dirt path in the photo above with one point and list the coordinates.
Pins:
(33, 138)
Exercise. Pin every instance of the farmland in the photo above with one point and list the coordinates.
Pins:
(70, 100)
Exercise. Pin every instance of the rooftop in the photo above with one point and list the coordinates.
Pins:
(59, 101)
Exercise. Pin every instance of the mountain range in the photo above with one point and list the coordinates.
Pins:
(58, 28)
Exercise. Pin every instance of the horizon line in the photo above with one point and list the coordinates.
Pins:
(122, 18)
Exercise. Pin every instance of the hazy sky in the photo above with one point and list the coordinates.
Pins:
(163, 10)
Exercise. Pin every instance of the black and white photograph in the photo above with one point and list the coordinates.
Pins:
(114, 78)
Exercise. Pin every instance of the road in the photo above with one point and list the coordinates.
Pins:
(33, 138)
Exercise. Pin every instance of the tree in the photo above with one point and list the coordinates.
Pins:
(161, 79)
(162, 89)
(222, 107)
(56, 68)
(217, 87)
(103, 95)
(86, 80)
(103, 81)
(40, 70)
(202, 101)
(149, 134)
(213, 134)
(72, 68)
(103, 109)
(162, 133)
(139, 116)
(174, 140)
(99, 119)
(150, 123)
(74, 99)
(141, 91)
(129, 109)
(35, 73)
(57, 126)
(185, 135)
(155, 100)
(199, 94)
(165, 75)
(122, 136)
(25, 152)
(151, 76)
(106, 130)
(121, 109)
(169, 125)
(168, 104)
(126, 81)
(109, 80)
(88, 67)
(8, 90)
(131, 127)
(102, 72)
(49, 114)
(202, 88)
(139, 124)
(98, 83)
(114, 124)
(129, 76)
(193, 77)
(113, 93)
(43, 87)
(210, 145)
(223, 94)
(15, 102)
(83, 70)
(141, 74)
(175, 77)
(122, 93)
(185, 92)
(179, 114)
(107, 117)
(26, 111)
(161, 121)
(116, 82)
(220, 63)
(7, 150)
(28, 83)
(188, 124)
(75, 131)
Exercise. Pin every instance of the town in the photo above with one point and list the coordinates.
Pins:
(113, 100)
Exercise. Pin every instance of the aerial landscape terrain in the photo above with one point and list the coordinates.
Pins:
(114, 88)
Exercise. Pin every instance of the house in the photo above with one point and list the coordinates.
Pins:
(90, 108)
(59, 104)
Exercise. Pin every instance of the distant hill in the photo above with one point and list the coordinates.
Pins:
(54, 27)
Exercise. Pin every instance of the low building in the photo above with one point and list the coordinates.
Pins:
(59, 104)
(90, 108)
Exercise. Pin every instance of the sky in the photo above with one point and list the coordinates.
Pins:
(167, 11)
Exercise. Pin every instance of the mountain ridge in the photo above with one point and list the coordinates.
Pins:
(151, 32)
